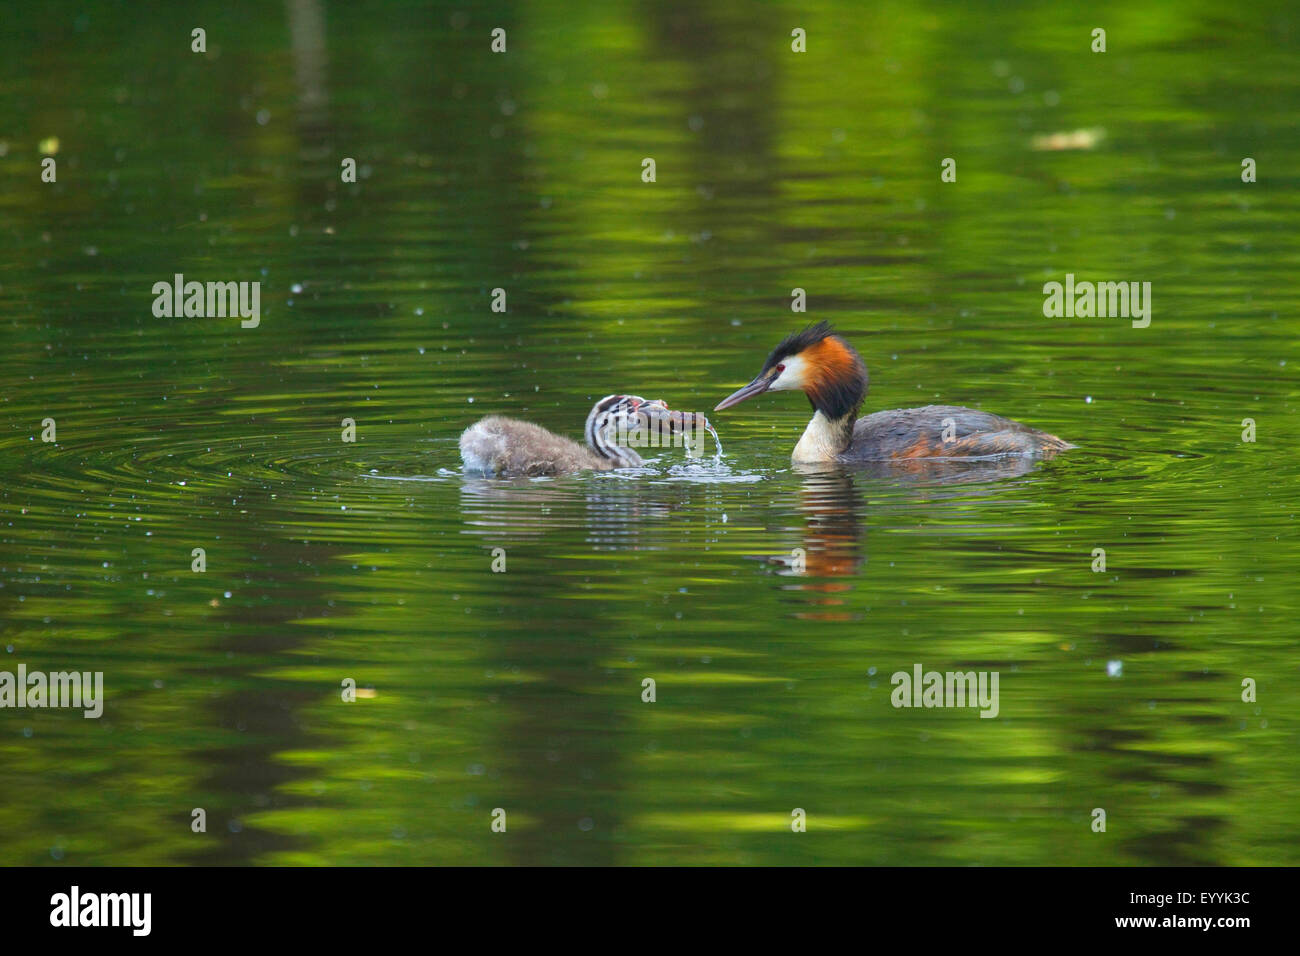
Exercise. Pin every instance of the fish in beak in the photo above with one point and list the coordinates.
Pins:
(654, 424)
(671, 422)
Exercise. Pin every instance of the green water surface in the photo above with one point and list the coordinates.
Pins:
(522, 690)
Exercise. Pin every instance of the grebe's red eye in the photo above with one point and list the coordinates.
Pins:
(780, 369)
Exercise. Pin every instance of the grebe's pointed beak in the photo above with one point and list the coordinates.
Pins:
(757, 387)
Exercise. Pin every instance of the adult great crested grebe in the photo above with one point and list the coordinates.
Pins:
(506, 447)
(830, 372)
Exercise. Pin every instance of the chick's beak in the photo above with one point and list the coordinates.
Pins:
(757, 387)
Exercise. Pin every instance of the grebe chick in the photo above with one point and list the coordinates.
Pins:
(506, 447)
(830, 372)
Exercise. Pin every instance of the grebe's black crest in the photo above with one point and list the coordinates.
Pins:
(796, 342)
